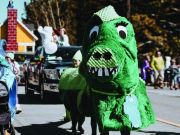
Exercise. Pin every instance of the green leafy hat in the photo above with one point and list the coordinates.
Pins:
(77, 56)
(107, 14)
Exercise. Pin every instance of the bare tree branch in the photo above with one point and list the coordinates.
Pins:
(51, 14)
(58, 12)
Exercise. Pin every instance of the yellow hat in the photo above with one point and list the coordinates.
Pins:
(77, 56)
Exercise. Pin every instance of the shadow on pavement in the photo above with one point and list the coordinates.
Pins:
(43, 129)
(159, 132)
(50, 98)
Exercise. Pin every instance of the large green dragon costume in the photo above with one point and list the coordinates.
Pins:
(110, 67)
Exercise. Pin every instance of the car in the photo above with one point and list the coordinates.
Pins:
(20, 59)
(43, 75)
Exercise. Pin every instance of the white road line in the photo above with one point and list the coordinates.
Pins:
(168, 122)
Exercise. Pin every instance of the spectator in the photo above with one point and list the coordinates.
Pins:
(167, 71)
(16, 70)
(63, 38)
(7, 76)
(77, 58)
(146, 70)
(174, 73)
(167, 61)
(158, 66)
(55, 37)
(71, 86)
(178, 75)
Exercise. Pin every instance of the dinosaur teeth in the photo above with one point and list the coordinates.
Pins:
(100, 72)
(96, 69)
(93, 70)
(113, 70)
(103, 71)
(106, 72)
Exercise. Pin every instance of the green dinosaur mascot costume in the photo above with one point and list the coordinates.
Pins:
(110, 66)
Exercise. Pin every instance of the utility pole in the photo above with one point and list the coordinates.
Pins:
(128, 15)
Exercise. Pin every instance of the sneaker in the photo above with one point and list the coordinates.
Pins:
(81, 130)
(18, 109)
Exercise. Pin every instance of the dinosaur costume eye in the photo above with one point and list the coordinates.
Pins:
(122, 31)
(94, 32)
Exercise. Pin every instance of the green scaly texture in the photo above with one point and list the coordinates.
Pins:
(109, 91)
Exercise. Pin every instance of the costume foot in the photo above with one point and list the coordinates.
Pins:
(81, 130)
(73, 131)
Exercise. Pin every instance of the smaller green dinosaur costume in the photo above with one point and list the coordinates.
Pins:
(71, 80)
(110, 66)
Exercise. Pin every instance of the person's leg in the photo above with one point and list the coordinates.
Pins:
(125, 132)
(178, 81)
(74, 121)
(175, 82)
(67, 116)
(104, 133)
(93, 125)
(73, 110)
(148, 79)
(171, 83)
(161, 80)
(81, 119)
(156, 79)
(18, 107)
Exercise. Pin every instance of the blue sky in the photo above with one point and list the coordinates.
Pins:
(18, 4)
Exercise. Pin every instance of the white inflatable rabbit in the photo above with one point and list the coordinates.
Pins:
(47, 40)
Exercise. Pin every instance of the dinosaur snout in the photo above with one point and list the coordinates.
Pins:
(102, 62)
(106, 55)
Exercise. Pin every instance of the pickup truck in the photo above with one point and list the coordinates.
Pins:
(43, 75)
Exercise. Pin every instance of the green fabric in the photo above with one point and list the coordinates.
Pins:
(107, 14)
(77, 56)
(110, 114)
(101, 63)
(110, 66)
(71, 83)
(72, 80)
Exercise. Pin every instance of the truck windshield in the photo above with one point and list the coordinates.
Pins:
(66, 53)
(55, 64)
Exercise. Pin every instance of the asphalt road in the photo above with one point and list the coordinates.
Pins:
(45, 118)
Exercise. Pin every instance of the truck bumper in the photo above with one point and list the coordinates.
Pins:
(51, 87)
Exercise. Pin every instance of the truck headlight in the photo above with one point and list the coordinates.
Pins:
(51, 74)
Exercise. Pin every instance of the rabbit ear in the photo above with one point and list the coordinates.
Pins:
(40, 29)
(41, 32)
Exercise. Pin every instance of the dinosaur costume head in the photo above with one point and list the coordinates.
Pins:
(110, 67)
(110, 52)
